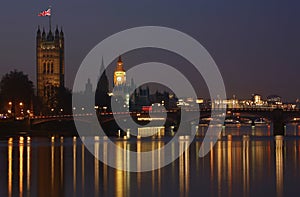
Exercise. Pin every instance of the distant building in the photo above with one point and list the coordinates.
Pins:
(50, 63)
(298, 103)
(232, 103)
(257, 100)
(121, 91)
(274, 100)
(119, 74)
(141, 98)
(88, 88)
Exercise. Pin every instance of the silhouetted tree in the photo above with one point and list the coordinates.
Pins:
(61, 99)
(15, 87)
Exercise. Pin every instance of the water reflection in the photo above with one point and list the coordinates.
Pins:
(28, 165)
(61, 150)
(236, 166)
(52, 163)
(21, 165)
(74, 164)
(229, 165)
(82, 166)
(105, 167)
(10, 172)
(219, 168)
(279, 165)
(246, 169)
(184, 169)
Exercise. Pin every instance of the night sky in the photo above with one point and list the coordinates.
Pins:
(255, 43)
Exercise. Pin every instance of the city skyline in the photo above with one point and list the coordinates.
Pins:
(149, 98)
(262, 61)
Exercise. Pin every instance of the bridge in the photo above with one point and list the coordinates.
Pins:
(279, 117)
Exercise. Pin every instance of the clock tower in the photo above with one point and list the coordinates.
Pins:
(119, 74)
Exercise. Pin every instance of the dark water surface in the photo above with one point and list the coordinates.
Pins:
(238, 165)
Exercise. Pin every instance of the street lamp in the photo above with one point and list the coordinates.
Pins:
(9, 107)
(21, 108)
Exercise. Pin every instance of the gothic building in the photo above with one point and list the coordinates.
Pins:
(50, 63)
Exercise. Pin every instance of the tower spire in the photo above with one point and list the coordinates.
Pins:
(56, 33)
(39, 31)
(120, 65)
(61, 32)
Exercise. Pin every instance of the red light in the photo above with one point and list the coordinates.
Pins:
(147, 108)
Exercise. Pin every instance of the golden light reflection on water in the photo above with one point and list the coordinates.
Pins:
(279, 165)
(160, 160)
(187, 168)
(234, 166)
(139, 164)
(119, 174)
(28, 164)
(52, 162)
(156, 161)
(245, 152)
(219, 166)
(74, 165)
(127, 173)
(184, 168)
(123, 178)
(153, 166)
(211, 163)
(21, 165)
(10, 171)
(229, 166)
(139, 167)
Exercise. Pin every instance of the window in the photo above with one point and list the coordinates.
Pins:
(45, 90)
(52, 68)
(48, 68)
(44, 71)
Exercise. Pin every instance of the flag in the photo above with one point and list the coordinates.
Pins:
(45, 13)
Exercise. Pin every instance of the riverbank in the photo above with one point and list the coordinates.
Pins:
(11, 128)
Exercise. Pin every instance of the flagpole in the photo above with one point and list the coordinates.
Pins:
(50, 17)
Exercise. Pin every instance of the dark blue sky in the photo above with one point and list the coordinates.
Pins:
(255, 43)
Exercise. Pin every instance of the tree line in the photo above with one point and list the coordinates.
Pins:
(18, 98)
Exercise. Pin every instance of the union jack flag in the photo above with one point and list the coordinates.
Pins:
(45, 13)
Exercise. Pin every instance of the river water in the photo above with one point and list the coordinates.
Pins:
(246, 161)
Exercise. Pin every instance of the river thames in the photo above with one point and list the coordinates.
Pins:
(246, 161)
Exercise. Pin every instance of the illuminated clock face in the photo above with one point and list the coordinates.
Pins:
(119, 78)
